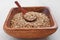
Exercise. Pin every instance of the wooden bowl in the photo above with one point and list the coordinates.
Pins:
(30, 33)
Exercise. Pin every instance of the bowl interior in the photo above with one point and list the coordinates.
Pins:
(44, 10)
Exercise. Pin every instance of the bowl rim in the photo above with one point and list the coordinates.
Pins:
(53, 27)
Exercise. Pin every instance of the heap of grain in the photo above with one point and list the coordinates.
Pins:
(30, 20)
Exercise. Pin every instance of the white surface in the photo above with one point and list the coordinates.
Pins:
(6, 5)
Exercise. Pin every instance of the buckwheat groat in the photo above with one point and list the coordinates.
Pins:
(41, 20)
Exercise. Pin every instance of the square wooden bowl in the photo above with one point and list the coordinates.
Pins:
(30, 33)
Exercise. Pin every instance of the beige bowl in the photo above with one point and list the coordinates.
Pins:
(30, 33)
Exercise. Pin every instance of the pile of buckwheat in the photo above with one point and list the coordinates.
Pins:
(41, 20)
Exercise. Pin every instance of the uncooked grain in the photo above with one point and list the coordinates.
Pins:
(19, 22)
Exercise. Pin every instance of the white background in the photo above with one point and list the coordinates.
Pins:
(6, 5)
